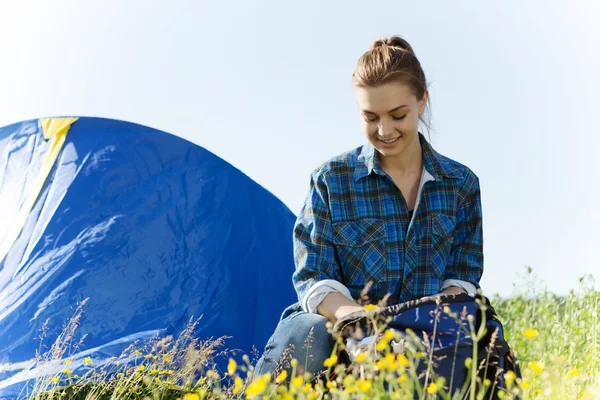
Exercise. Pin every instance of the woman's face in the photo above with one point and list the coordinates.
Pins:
(390, 116)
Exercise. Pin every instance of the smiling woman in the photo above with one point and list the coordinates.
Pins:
(393, 214)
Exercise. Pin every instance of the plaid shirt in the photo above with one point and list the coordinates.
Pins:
(354, 228)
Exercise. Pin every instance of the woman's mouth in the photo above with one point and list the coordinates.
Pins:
(389, 141)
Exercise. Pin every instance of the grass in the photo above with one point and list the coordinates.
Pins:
(556, 339)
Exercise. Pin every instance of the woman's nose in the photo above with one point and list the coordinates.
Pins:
(384, 129)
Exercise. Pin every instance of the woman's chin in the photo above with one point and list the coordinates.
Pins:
(389, 152)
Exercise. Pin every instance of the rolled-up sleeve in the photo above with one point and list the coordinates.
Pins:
(314, 253)
(465, 261)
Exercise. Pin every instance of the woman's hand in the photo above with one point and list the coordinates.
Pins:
(345, 310)
(449, 290)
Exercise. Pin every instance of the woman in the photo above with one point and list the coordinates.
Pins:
(393, 212)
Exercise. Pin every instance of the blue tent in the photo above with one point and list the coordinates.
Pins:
(153, 229)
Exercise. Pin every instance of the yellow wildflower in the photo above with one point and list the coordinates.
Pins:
(574, 372)
(67, 371)
(297, 381)
(432, 388)
(360, 357)
(401, 379)
(403, 360)
(87, 360)
(331, 361)
(389, 334)
(530, 333)
(142, 368)
(381, 364)
(55, 380)
(281, 377)
(67, 362)
(157, 380)
(330, 385)
(524, 384)
(370, 307)
(382, 344)
(294, 362)
(191, 396)
(153, 372)
(510, 377)
(256, 388)
(231, 366)
(364, 385)
(536, 367)
(237, 385)
(307, 388)
(138, 353)
(386, 362)
(147, 356)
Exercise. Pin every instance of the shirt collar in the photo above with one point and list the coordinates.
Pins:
(435, 164)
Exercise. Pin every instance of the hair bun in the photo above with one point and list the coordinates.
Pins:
(393, 41)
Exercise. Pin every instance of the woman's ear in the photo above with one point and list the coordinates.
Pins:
(423, 102)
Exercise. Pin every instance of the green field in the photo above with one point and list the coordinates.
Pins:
(556, 338)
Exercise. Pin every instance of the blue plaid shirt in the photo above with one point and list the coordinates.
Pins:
(354, 228)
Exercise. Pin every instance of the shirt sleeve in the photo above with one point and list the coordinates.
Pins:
(314, 253)
(465, 261)
(319, 290)
(467, 286)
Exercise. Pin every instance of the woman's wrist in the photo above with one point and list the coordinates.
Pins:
(335, 305)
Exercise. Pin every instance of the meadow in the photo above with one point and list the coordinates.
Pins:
(556, 339)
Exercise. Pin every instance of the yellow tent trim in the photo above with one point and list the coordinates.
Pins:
(55, 130)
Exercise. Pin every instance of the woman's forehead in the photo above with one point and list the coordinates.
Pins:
(384, 98)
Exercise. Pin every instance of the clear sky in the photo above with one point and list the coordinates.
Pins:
(266, 86)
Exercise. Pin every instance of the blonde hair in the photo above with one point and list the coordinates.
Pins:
(391, 60)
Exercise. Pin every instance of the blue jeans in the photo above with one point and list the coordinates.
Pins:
(294, 330)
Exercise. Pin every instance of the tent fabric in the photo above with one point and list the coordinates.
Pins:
(54, 129)
(153, 229)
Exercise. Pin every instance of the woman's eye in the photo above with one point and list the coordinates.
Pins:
(373, 119)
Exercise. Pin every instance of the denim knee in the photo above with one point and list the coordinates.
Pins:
(306, 337)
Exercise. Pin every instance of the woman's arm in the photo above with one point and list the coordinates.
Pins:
(318, 275)
(335, 305)
(465, 261)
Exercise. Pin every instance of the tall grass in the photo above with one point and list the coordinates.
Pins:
(556, 338)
